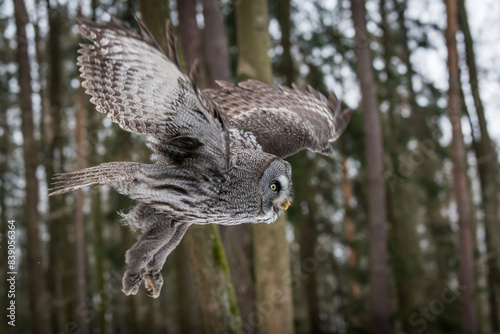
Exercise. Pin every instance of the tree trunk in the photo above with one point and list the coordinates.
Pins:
(188, 31)
(440, 232)
(350, 232)
(253, 41)
(189, 39)
(128, 308)
(353, 313)
(487, 161)
(237, 239)
(215, 45)
(284, 20)
(307, 311)
(154, 13)
(308, 236)
(4, 153)
(81, 289)
(99, 249)
(188, 317)
(36, 275)
(237, 242)
(402, 207)
(93, 126)
(274, 304)
(218, 300)
(219, 306)
(379, 274)
(51, 138)
(466, 261)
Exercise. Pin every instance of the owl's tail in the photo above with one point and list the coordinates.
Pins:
(112, 173)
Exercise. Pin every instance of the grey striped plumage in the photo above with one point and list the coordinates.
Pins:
(217, 153)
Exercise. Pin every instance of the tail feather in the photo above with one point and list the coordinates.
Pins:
(107, 173)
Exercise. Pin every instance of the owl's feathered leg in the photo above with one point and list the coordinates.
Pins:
(143, 251)
(153, 281)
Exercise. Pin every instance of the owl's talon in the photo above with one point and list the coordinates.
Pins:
(131, 283)
(153, 281)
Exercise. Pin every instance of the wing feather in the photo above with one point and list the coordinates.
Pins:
(137, 86)
(284, 120)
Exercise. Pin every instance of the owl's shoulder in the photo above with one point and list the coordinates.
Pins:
(241, 139)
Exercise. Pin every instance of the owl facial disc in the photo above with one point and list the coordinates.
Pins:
(282, 202)
(275, 187)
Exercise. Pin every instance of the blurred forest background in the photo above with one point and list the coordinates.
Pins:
(397, 232)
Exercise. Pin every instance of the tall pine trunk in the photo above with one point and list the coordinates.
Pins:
(51, 138)
(188, 31)
(274, 305)
(37, 290)
(189, 37)
(379, 273)
(440, 232)
(402, 207)
(215, 44)
(308, 246)
(466, 261)
(283, 8)
(4, 153)
(487, 161)
(350, 235)
(154, 13)
(80, 265)
(236, 239)
(94, 124)
(219, 306)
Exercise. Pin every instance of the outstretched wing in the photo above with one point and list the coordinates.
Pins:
(137, 86)
(283, 120)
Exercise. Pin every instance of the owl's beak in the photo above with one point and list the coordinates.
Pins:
(285, 204)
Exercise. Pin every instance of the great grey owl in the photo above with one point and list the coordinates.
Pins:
(217, 153)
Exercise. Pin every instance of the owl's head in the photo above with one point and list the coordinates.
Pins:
(275, 187)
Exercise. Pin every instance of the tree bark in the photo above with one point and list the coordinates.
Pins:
(402, 207)
(220, 310)
(37, 292)
(487, 161)
(128, 309)
(253, 41)
(379, 273)
(188, 31)
(350, 231)
(216, 45)
(237, 242)
(308, 236)
(51, 137)
(218, 300)
(4, 153)
(284, 20)
(440, 232)
(81, 288)
(188, 317)
(93, 126)
(236, 239)
(466, 261)
(274, 305)
(154, 13)
(352, 314)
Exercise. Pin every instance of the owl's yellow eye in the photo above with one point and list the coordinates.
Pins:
(274, 187)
